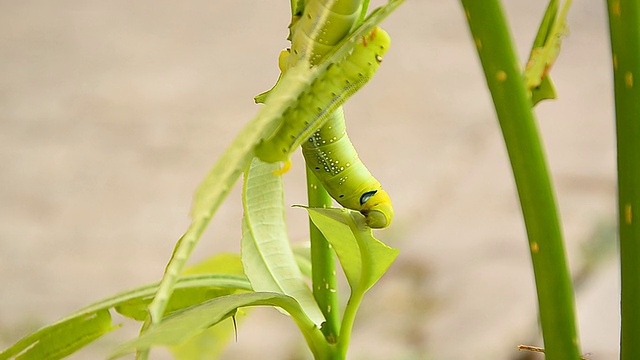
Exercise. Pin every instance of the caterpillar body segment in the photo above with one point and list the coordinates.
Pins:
(331, 156)
(326, 94)
(321, 26)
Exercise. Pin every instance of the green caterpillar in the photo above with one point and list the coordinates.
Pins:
(327, 93)
(352, 186)
(333, 159)
(312, 38)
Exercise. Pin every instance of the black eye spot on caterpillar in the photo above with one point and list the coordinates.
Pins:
(366, 196)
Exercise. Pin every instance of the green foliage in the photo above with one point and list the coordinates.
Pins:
(185, 309)
(266, 252)
(364, 259)
(180, 312)
(545, 50)
(64, 337)
(183, 325)
(217, 184)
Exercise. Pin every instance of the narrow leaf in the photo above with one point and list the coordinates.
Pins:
(207, 345)
(183, 325)
(545, 50)
(63, 339)
(143, 292)
(266, 252)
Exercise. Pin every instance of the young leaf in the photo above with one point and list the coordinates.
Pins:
(210, 343)
(545, 50)
(266, 253)
(364, 258)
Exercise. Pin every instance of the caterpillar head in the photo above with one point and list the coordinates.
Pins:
(377, 42)
(377, 208)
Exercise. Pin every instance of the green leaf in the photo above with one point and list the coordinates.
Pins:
(86, 315)
(302, 254)
(546, 25)
(212, 342)
(266, 252)
(222, 263)
(545, 50)
(136, 308)
(363, 13)
(364, 258)
(185, 324)
(207, 345)
(62, 339)
(219, 264)
(545, 91)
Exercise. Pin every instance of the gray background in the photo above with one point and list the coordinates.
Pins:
(112, 112)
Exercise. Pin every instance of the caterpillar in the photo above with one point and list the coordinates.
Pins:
(332, 158)
(312, 38)
(327, 93)
(352, 185)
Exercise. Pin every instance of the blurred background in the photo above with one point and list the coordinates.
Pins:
(112, 112)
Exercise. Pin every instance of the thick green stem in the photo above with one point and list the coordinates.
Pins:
(323, 263)
(513, 107)
(624, 23)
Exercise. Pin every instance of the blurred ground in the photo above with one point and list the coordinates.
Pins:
(112, 112)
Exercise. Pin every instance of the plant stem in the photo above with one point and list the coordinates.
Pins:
(502, 72)
(355, 299)
(624, 23)
(323, 263)
(347, 323)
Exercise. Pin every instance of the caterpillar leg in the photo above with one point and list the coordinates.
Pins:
(284, 169)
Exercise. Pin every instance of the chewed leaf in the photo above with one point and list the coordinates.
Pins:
(266, 252)
(545, 50)
(545, 91)
(364, 258)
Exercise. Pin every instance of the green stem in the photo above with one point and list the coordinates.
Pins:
(348, 320)
(355, 299)
(323, 264)
(317, 344)
(502, 71)
(624, 23)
